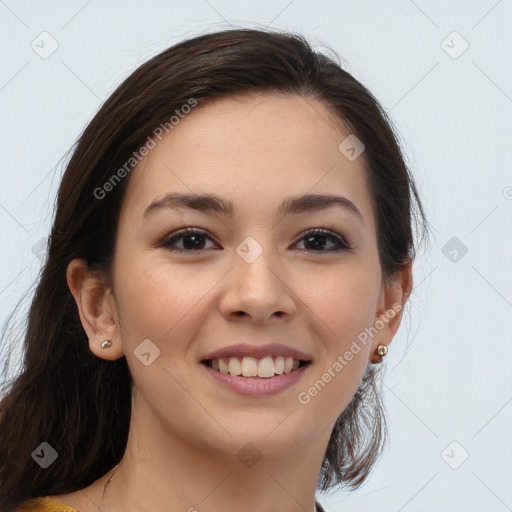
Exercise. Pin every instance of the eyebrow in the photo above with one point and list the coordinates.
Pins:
(212, 203)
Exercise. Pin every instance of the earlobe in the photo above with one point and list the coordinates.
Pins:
(106, 349)
(389, 314)
(96, 307)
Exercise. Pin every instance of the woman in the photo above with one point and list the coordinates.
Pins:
(230, 258)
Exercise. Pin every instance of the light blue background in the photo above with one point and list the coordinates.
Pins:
(455, 382)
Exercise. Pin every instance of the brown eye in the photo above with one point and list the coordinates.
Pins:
(193, 240)
(318, 239)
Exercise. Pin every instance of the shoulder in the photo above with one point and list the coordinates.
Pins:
(44, 505)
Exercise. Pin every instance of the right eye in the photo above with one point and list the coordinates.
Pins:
(191, 237)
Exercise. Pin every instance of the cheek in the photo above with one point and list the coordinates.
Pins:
(159, 300)
(156, 301)
(346, 302)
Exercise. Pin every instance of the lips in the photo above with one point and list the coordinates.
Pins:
(255, 386)
(256, 351)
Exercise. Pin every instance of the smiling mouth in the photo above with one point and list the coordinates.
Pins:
(262, 367)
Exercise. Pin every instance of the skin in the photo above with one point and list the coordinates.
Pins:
(186, 430)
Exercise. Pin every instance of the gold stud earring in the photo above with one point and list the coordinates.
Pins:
(382, 350)
(106, 344)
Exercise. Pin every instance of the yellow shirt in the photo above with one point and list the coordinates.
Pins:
(53, 505)
(46, 505)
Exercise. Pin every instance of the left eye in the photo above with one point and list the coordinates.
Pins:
(313, 236)
(193, 241)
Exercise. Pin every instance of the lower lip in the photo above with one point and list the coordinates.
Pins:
(256, 386)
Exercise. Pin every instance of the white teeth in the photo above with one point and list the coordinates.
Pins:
(249, 367)
(234, 366)
(288, 365)
(264, 367)
(223, 367)
(279, 365)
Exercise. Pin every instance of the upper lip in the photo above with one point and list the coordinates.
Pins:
(271, 349)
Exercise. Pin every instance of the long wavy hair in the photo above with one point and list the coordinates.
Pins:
(80, 404)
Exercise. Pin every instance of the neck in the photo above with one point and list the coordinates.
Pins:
(162, 470)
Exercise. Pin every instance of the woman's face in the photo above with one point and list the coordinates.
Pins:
(252, 277)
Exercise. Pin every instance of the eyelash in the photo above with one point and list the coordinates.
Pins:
(188, 230)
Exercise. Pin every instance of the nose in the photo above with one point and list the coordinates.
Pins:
(258, 292)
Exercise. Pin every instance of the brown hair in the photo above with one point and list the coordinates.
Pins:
(79, 403)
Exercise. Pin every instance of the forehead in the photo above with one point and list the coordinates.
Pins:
(253, 150)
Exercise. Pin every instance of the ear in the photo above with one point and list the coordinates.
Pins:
(96, 306)
(390, 308)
